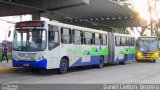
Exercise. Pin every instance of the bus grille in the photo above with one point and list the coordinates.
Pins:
(27, 55)
(147, 55)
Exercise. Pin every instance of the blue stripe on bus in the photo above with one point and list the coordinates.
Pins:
(118, 60)
(39, 64)
(129, 57)
(93, 61)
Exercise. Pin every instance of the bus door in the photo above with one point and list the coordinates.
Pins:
(111, 48)
(53, 42)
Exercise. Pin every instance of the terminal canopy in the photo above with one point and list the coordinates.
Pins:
(98, 14)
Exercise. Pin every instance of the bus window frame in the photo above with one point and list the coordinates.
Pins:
(91, 39)
(116, 41)
(98, 38)
(70, 37)
(81, 36)
(106, 39)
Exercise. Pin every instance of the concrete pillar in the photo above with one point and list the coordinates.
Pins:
(36, 16)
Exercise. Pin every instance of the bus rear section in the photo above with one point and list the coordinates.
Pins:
(147, 49)
(124, 48)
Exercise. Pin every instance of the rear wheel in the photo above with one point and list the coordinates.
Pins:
(101, 62)
(64, 65)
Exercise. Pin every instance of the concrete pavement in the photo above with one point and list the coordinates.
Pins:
(7, 68)
(131, 73)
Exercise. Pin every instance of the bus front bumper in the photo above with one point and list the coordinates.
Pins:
(147, 58)
(30, 64)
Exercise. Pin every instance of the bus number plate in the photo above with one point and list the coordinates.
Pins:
(26, 65)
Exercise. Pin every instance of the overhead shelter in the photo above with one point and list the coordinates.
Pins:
(20, 7)
(99, 14)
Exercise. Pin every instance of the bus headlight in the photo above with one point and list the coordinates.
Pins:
(156, 54)
(139, 53)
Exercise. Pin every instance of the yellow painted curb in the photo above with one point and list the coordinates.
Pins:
(11, 70)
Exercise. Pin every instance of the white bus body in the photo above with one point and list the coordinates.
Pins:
(79, 46)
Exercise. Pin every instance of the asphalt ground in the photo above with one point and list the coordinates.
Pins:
(131, 73)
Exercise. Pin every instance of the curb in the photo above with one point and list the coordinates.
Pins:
(11, 70)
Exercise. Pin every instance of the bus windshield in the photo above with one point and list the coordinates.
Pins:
(148, 44)
(29, 40)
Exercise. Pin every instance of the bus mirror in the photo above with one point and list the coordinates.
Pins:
(9, 33)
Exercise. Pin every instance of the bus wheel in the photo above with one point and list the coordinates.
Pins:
(101, 62)
(64, 65)
(124, 60)
(154, 60)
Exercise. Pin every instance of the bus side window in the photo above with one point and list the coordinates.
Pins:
(118, 41)
(128, 41)
(132, 41)
(66, 35)
(97, 39)
(104, 39)
(51, 33)
(77, 37)
(123, 41)
(88, 37)
(93, 39)
(53, 37)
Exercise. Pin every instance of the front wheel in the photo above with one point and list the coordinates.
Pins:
(64, 65)
(101, 62)
(154, 61)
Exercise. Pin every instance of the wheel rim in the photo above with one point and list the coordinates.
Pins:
(63, 67)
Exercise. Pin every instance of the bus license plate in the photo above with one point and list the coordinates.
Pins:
(26, 65)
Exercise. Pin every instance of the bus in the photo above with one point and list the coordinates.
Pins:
(55, 45)
(147, 48)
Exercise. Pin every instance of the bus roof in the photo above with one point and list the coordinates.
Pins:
(125, 35)
(148, 37)
(74, 27)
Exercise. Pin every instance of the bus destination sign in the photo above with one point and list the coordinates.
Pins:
(30, 24)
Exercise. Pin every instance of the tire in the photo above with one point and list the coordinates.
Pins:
(124, 60)
(101, 62)
(64, 65)
(154, 61)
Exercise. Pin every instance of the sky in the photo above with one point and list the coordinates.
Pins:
(142, 6)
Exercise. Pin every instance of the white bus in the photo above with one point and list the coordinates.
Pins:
(54, 45)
